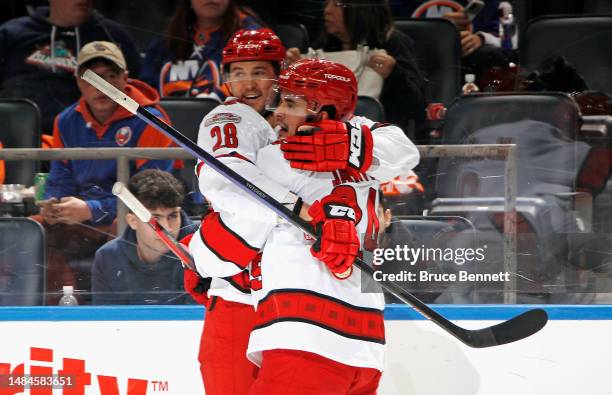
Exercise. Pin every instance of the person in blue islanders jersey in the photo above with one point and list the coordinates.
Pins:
(187, 61)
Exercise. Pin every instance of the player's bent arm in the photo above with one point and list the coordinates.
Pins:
(393, 153)
(360, 145)
(233, 133)
(227, 198)
(225, 244)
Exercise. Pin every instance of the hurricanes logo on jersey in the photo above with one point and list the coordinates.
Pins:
(123, 136)
(222, 117)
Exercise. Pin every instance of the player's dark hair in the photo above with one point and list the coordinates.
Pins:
(156, 188)
(366, 21)
(181, 28)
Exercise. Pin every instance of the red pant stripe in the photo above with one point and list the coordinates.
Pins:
(306, 306)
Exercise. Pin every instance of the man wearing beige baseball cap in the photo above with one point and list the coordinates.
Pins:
(79, 192)
(106, 60)
(101, 49)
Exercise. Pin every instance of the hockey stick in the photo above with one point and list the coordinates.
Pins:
(517, 328)
(145, 216)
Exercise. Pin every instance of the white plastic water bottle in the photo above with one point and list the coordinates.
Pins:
(469, 85)
(68, 299)
(507, 27)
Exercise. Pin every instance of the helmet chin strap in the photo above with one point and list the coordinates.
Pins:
(314, 118)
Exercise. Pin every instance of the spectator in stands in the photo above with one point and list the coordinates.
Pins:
(480, 44)
(137, 268)
(187, 61)
(350, 23)
(38, 53)
(84, 209)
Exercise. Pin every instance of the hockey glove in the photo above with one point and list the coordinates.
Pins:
(330, 145)
(334, 219)
(195, 285)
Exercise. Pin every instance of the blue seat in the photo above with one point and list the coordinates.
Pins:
(438, 54)
(293, 35)
(545, 129)
(22, 262)
(20, 120)
(585, 41)
(371, 108)
(186, 115)
(533, 121)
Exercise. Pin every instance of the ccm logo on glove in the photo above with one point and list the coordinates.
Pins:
(344, 212)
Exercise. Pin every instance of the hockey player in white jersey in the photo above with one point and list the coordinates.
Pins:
(351, 337)
(251, 60)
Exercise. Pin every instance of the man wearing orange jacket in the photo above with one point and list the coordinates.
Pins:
(80, 207)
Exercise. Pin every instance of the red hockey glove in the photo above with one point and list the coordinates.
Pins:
(195, 285)
(330, 145)
(334, 219)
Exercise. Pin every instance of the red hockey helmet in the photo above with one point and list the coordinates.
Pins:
(322, 83)
(260, 44)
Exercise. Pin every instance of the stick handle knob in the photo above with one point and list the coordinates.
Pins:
(121, 191)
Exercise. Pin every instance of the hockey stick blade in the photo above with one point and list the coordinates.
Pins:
(485, 337)
(516, 328)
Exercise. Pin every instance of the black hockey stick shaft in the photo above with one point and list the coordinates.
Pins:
(517, 328)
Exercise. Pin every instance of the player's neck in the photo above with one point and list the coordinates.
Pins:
(270, 118)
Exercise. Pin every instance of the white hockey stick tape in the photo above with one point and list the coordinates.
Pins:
(109, 90)
(120, 190)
